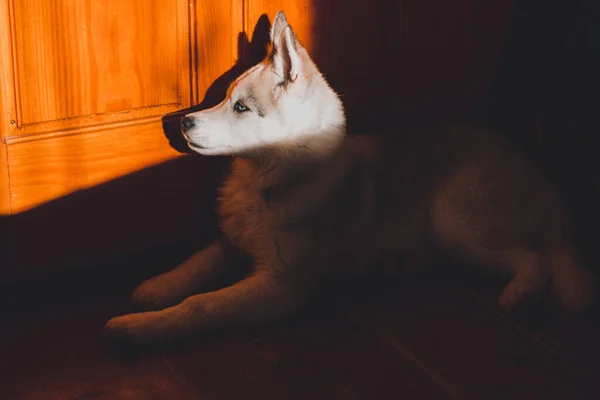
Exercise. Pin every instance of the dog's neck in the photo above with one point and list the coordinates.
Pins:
(287, 164)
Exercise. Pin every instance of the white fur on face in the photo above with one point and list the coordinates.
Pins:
(224, 129)
(273, 110)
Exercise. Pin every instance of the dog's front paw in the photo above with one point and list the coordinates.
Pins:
(153, 295)
(133, 329)
(119, 330)
(510, 299)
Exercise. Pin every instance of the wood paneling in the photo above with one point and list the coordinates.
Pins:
(42, 170)
(82, 63)
(4, 183)
(85, 85)
(214, 42)
(299, 13)
(5, 112)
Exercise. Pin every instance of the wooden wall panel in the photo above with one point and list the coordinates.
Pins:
(300, 14)
(82, 63)
(4, 182)
(42, 170)
(5, 119)
(108, 71)
(215, 41)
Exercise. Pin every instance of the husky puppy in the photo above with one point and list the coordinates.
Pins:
(306, 202)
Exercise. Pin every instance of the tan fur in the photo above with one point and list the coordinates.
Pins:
(306, 202)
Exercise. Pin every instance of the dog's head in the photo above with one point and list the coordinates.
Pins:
(279, 102)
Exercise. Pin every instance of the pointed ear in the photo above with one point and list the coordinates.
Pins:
(285, 55)
(279, 23)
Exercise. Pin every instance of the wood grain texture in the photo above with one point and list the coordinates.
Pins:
(82, 63)
(126, 64)
(7, 84)
(299, 14)
(4, 183)
(5, 119)
(42, 170)
(216, 45)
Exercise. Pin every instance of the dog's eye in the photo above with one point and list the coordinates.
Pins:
(240, 107)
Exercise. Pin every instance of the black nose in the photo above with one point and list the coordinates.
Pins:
(186, 123)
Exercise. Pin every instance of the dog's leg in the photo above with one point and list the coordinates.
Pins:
(258, 298)
(200, 270)
(530, 278)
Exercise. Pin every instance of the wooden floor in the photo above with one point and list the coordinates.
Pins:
(427, 339)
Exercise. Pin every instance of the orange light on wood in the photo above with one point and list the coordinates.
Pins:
(85, 84)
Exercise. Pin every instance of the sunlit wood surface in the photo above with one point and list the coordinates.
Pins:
(85, 63)
(4, 184)
(85, 84)
(82, 161)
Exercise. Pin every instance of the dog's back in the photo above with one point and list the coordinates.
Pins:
(468, 191)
